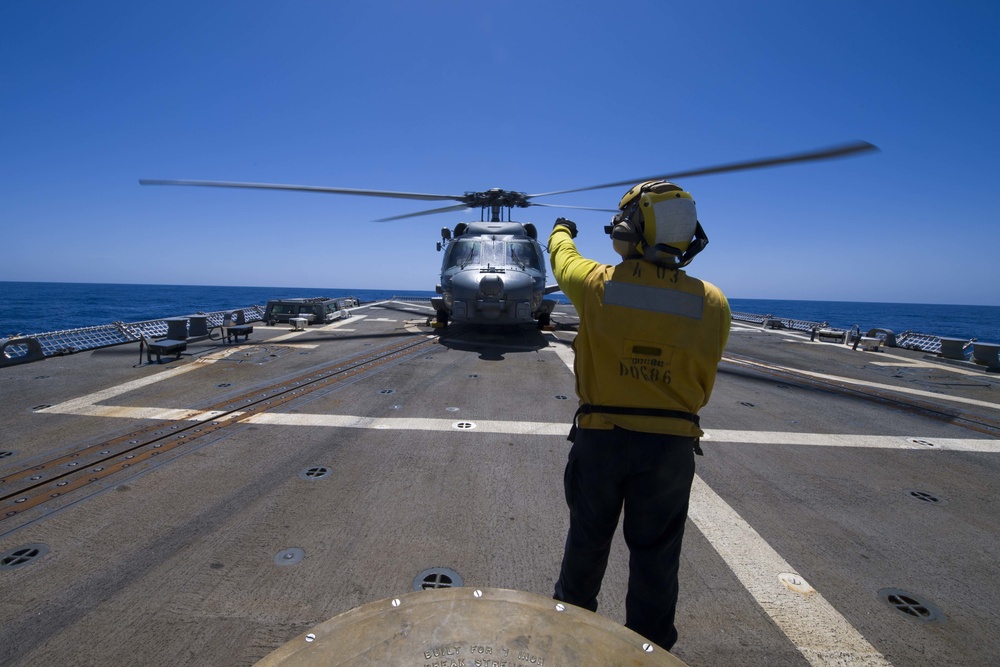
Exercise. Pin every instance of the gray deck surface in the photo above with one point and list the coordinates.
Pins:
(852, 472)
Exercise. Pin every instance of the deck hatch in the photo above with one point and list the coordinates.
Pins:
(21, 556)
(911, 605)
(926, 497)
(315, 472)
(437, 577)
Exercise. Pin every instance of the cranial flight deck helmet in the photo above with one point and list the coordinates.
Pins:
(658, 222)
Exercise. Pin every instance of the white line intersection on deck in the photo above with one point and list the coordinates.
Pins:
(820, 632)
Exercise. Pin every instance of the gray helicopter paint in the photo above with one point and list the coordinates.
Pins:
(493, 273)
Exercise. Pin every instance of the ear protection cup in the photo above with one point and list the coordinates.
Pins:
(625, 235)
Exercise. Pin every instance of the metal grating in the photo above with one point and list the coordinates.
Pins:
(786, 322)
(912, 606)
(917, 341)
(315, 472)
(68, 341)
(22, 556)
(909, 340)
(437, 577)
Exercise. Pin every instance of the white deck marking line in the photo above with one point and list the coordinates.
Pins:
(408, 424)
(73, 405)
(414, 307)
(562, 428)
(903, 390)
(563, 350)
(818, 631)
(325, 327)
(918, 363)
(85, 405)
(905, 362)
(865, 383)
(847, 440)
(855, 440)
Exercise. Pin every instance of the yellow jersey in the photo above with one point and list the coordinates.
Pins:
(649, 338)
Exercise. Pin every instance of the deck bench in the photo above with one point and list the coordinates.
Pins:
(161, 347)
(871, 343)
(831, 335)
(237, 330)
(235, 325)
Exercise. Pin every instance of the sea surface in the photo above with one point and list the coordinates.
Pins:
(27, 308)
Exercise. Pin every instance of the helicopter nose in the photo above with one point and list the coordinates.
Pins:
(491, 285)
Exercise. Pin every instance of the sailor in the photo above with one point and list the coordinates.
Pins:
(650, 341)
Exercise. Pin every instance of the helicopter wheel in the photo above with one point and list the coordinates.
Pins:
(543, 320)
(442, 318)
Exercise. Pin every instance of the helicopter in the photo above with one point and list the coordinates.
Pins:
(493, 271)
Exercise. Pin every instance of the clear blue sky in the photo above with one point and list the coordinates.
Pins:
(453, 96)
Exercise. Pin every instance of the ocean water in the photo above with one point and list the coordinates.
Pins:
(42, 307)
(980, 322)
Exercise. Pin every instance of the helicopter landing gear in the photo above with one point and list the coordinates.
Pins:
(545, 322)
(442, 319)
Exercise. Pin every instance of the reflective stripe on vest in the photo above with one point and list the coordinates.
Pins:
(653, 299)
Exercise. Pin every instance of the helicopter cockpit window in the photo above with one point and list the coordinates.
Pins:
(493, 253)
(522, 254)
(462, 253)
(488, 252)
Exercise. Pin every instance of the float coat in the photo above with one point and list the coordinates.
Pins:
(649, 337)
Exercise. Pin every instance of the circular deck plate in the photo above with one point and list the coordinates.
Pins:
(456, 625)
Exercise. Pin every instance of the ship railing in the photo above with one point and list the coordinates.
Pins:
(779, 322)
(70, 341)
(909, 340)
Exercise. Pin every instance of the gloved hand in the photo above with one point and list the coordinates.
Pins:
(568, 224)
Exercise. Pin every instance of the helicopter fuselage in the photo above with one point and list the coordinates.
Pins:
(493, 273)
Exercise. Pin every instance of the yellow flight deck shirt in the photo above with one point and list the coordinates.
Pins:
(649, 337)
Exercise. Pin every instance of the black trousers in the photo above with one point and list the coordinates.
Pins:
(651, 475)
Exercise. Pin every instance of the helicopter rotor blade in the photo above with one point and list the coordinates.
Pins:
(305, 188)
(582, 208)
(446, 209)
(821, 154)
